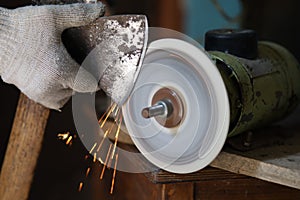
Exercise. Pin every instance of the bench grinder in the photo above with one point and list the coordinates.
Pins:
(187, 100)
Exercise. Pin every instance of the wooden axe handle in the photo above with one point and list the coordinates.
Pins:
(23, 149)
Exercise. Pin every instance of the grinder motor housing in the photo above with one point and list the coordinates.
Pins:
(261, 78)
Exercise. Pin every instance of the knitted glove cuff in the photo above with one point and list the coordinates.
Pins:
(8, 41)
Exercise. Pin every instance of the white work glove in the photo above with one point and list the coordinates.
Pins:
(33, 57)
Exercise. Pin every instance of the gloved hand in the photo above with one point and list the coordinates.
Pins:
(33, 57)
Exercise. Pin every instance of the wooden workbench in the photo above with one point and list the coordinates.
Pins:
(267, 168)
(273, 156)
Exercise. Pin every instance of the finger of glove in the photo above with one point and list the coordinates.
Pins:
(55, 100)
(77, 78)
(84, 82)
(79, 14)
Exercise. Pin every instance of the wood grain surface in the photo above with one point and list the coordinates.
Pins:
(23, 149)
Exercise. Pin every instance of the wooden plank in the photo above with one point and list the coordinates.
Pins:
(247, 188)
(208, 173)
(255, 168)
(274, 154)
(177, 191)
(130, 186)
(137, 186)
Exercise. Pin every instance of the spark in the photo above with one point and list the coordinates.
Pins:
(114, 175)
(69, 140)
(80, 186)
(87, 172)
(66, 136)
(63, 136)
(112, 152)
(101, 161)
(106, 159)
(117, 136)
(93, 148)
(95, 157)
(101, 118)
(108, 114)
(116, 111)
(107, 132)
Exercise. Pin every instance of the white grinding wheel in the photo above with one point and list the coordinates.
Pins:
(199, 137)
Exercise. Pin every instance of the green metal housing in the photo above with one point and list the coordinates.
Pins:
(260, 91)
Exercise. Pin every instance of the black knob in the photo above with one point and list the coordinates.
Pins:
(241, 43)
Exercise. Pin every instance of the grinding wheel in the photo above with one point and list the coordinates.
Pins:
(188, 134)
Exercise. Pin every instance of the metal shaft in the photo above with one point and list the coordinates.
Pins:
(158, 109)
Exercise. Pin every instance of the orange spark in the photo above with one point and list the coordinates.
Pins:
(107, 132)
(114, 174)
(87, 172)
(63, 136)
(116, 141)
(80, 186)
(117, 136)
(101, 161)
(95, 157)
(106, 159)
(108, 114)
(101, 118)
(93, 148)
(69, 140)
(117, 111)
